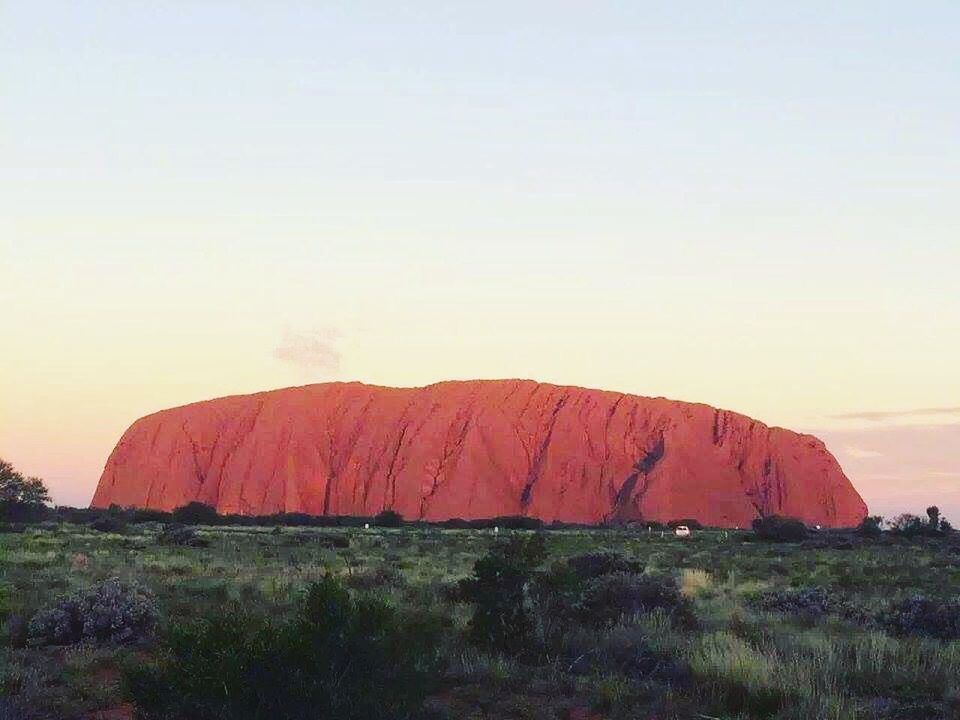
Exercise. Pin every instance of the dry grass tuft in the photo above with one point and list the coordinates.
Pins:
(694, 581)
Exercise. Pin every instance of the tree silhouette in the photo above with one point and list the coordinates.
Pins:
(21, 497)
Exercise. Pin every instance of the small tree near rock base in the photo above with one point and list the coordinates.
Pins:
(388, 519)
(196, 513)
(500, 588)
(871, 526)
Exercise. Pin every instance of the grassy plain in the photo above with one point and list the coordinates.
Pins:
(737, 661)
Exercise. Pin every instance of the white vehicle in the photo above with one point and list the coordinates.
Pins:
(682, 531)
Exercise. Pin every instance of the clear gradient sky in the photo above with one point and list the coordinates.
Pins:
(750, 204)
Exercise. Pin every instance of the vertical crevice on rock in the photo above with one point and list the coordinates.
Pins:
(535, 467)
(641, 469)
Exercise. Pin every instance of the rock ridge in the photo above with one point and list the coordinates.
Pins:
(473, 449)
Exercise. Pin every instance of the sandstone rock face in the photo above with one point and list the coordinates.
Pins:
(475, 449)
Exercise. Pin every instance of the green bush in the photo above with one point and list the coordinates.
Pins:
(514, 522)
(871, 526)
(775, 528)
(591, 565)
(501, 591)
(6, 604)
(144, 515)
(653, 525)
(333, 542)
(382, 576)
(810, 603)
(608, 598)
(922, 616)
(177, 534)
(109, 523)
(688, 522)
(196, 513)
(909, 525)
(388, 519)
(112, 612)
(338, 657)
(17, 631)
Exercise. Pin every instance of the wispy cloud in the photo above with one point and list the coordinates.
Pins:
(311, 352)
(898, 466)
(881, 415)
(860, 453)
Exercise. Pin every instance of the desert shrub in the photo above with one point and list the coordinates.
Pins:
(871, 526)
(111, 612)
(591, 565)
(455, 524)
(182, 535)
(922, 616)
(388, 519)
(515, 522)
(76, 516)
(908, 525)
(584, 650)
(337, 657)
(501, 591)
(775, 528)
(334, 542)
(654, 525)
(810, 602)
(196, 513)
(17, 632)
(109, 523)
(293, 519)
(383, 576)
(19, 688)
(689, 522)
(626, 649)
(504, 522)
(554, 594)
(23, 512)
(6, 605)
(144, 515)
(608, 598)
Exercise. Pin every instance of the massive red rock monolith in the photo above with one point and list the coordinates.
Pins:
(475, 449)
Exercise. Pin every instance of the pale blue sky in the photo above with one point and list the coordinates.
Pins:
(755, 205)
